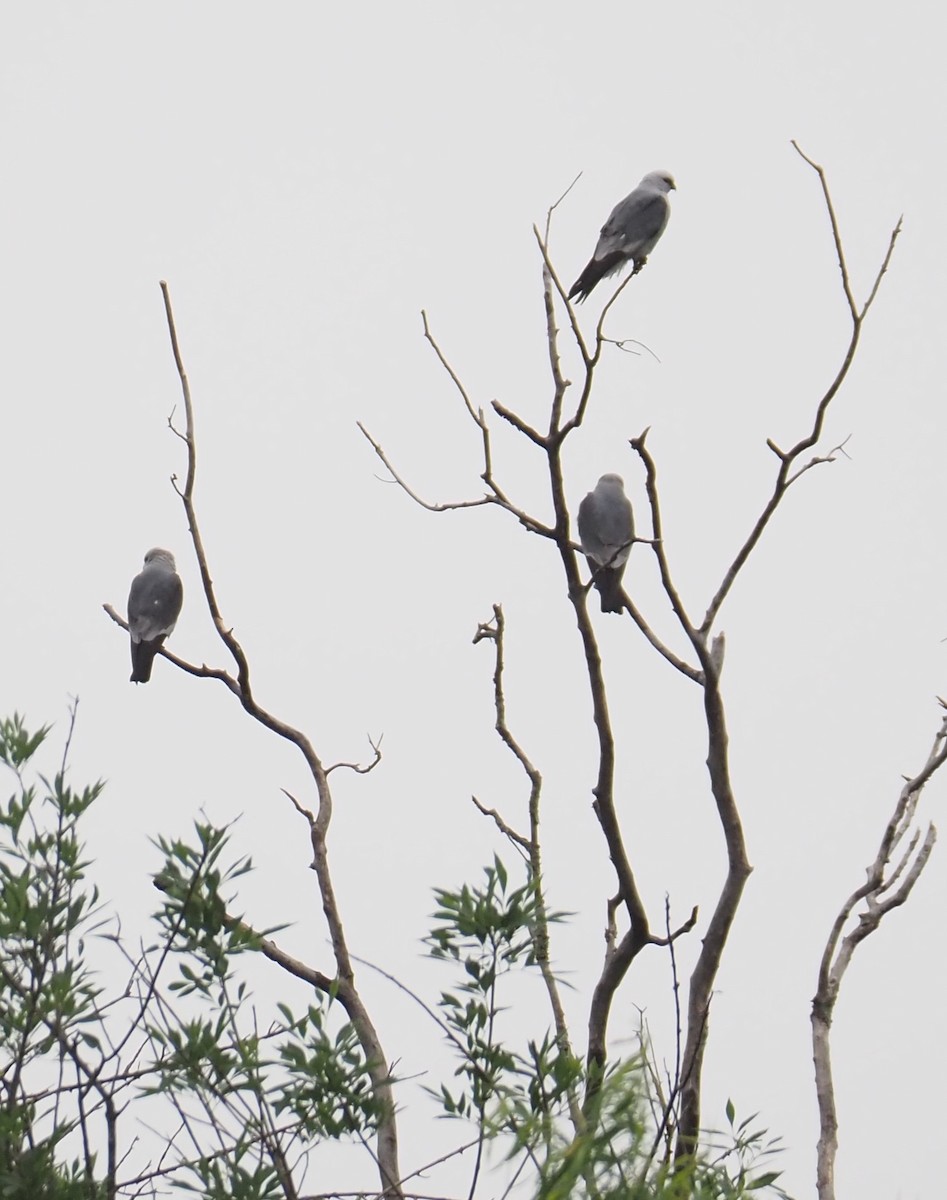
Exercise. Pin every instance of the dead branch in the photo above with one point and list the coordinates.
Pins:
(788, 458)
(590, 359)
(620, 951)
(657, 530)
(494, 632)
(677, 663)
(549, 273)
(622, 947)
(887, 886)
(342, 987)
(495, 494)
(790, 469)
(552, 208)
(665, 1128)
(520, 842)
(360, 768)
(445, 506)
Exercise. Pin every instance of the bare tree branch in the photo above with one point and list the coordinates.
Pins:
(590, 359)
(518, 423)
(657, 529)
(623, 946)
(784, 476)
(518, 840)
(342, 987)
(548, 269)
(677, 663)
(446, 506)
(360, 768)
(878, 898)
(495, 494)
(619, 956)
(789, 471)
(620, 952)
(494, 631)
(552, 208)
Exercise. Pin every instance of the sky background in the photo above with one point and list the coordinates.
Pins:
(308, 179)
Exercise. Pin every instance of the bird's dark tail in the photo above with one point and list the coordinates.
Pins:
(586, 281)
(594, 273)
(143, 655)
(608, 582)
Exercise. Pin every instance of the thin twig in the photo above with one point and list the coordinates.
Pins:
(552, 208)
(360, 768)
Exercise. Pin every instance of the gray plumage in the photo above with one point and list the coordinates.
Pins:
(154, 604)
(606, 531)
(630, 233)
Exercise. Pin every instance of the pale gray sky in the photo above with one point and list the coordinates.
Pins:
(307, 179)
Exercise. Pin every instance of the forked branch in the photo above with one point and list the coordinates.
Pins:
(890, 878)
(787, 472)
(494, 494)
(792, 465)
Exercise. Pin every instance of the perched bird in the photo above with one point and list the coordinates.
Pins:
(154, 604)
(606, 531)
(630, 233)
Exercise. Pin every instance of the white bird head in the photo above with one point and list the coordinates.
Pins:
(663, 181)
(158, 557)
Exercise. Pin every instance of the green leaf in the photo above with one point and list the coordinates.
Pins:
(765, 1180)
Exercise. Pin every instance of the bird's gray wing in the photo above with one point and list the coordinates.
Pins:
(154, 604)
(606, 530)
(629, 235)
(606, 526)
(589, 532)
(634, 226)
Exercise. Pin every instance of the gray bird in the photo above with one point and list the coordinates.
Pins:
(606, 531)
(630, 233)
(154, 604)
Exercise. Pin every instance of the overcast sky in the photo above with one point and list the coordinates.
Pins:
(307, 180)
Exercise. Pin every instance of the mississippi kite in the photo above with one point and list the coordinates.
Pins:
(606, 531)
(154, 604)
(630, 233)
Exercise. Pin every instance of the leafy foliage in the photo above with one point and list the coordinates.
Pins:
(78, 1059)
(527, 1100)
